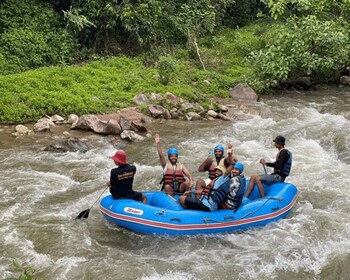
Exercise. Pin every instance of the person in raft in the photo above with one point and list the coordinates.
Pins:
(122, 178)
(237, 187)
(215, 159)
(174, 173)
(212, 196)
(282, 167)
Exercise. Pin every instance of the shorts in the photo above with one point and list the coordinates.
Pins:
(132, 195)
(269, 179)
(195, 204)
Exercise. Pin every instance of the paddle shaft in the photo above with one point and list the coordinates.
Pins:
(85, 213)
(265, 168)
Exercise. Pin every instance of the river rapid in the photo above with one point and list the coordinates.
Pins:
(42, 192)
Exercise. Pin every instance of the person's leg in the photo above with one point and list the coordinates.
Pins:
(250, 185)
(260, 186)
(168, 190)
(200, 185)
(185, 186)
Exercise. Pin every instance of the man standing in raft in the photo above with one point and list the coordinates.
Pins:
(122, 178)
(173, 172)
(281, 166)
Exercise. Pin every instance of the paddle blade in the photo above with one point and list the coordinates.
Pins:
(83, 215)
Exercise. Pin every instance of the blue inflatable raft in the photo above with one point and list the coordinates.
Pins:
(162, 214)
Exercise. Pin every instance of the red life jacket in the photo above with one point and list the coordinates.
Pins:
(173, 172)
(208, 187)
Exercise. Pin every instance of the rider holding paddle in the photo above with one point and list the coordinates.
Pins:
(122, 178)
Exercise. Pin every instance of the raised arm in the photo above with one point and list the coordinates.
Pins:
(205, 164)
(159, 150)
(231, 157)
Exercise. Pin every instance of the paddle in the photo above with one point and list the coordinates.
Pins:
(85, 214)
(265, 168)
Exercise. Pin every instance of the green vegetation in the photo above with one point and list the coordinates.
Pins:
(83, 57)
(27, 273)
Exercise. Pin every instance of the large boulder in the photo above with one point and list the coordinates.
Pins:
(243, 93)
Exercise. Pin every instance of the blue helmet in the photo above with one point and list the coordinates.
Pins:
(239, 166)
(219, 147)
(173, 151)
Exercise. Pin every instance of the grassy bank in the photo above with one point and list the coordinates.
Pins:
(106, 85)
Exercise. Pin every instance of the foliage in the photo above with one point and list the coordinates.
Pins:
(166, 67)
(32, 35)
(302, 46)
(27, 273)
(327, 10)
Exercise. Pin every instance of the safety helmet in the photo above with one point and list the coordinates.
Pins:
(239, 166)
(220, 167)
(173, 151)
(219, 147)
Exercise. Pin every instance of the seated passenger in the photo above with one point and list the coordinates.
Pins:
(281, 166)
(174, 172)
(237, 186)
(204, 200)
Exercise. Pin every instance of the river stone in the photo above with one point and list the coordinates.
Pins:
(193, 116)
(156, 111)
(131, 136)
(22, 130)
(243, 93)
(43, 124)
(141, 99)
(57, 119)
(212, 113)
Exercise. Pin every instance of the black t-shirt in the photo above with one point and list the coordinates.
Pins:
(281, 159)
(121, 179)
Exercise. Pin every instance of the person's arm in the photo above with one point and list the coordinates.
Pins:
(205, 165)
(187, 174)
(231, 157)
(159, 150)
(228, 170)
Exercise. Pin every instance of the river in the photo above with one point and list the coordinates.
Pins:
(42, 192)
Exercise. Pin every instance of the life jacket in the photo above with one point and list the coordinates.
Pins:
(173, 173)
(285, 170)
(287, 165)
(233, 201)
(208, 187)
(220, 189)
(214, 164)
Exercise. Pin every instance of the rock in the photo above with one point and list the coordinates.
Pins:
(21, 129)
(138, 126)
(243, 93)
(131, 136)
(141, 99)
(167, 114)
(212, 113)
(73, 119)
(188, 106)
(206, 82)
(43, 124)
(72, 144)
(85, 122)
(345, 80)
(175, 113)
(223, 117)
(302, 83)
(193, 116)
(223, 108)
(172, 98)
(125, 124)
(156, 111)
(56, 119)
